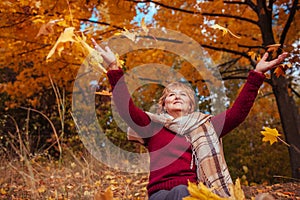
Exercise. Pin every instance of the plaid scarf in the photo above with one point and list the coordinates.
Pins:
(207, 148)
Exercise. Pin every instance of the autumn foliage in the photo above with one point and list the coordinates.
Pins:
(44, 43)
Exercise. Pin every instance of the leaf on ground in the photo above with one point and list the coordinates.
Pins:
(106, 195)
(236, 191)
(201, 192)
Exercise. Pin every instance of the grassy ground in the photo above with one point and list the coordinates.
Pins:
(80, 176)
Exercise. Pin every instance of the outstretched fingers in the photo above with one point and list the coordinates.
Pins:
(97, 46)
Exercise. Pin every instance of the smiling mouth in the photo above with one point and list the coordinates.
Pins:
(178, 102)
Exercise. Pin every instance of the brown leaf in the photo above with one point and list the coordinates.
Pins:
(47, 29)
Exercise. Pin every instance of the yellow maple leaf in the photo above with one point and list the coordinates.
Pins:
(128, 34)
(201, 192)
(66, 36)
(224, 30)
(93, 57)
(236, 191)
(270, 135)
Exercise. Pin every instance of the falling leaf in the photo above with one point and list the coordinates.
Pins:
(104, 92)
(119, 61)
(273, 47)
(270, 135)
(224, 30)
(279, 71)
(47, 29)
(128, 34)
(274, 50)
(144, 26)
(93, 57)
(66, 36)
(106, 195)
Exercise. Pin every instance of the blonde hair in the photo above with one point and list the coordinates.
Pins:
(190, 92)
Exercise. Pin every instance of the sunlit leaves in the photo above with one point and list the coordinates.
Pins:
(93, 57)
(270, 135)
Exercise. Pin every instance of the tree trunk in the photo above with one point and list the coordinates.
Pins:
(288, 111)
(290, 121)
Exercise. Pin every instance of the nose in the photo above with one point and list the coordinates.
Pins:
(177, 96)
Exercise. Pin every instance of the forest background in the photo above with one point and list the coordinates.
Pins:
(39, 141)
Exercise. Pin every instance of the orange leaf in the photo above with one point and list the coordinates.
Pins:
(104, 92)
(144, 26)
(279, 71)
(273, 50)
(106, 195)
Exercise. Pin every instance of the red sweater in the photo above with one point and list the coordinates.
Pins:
(171, 154)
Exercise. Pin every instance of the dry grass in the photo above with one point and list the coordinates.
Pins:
(77, 177)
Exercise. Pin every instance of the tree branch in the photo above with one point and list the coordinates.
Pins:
(230, 16)
(102, 23)
(288, 22)
(226, 50)
(195, 12)
(165, 6)
(295, 92)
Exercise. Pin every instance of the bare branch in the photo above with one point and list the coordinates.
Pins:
(289, 21)
(102, 23)
(295, 92)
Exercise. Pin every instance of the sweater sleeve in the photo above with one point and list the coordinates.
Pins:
(234, 116)
(136, 118)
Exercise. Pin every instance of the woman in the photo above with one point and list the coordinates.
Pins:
(190, 140)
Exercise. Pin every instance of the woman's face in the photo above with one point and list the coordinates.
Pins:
(177, 103)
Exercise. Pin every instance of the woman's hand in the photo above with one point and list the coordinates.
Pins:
(107, 55)
(263, 65)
